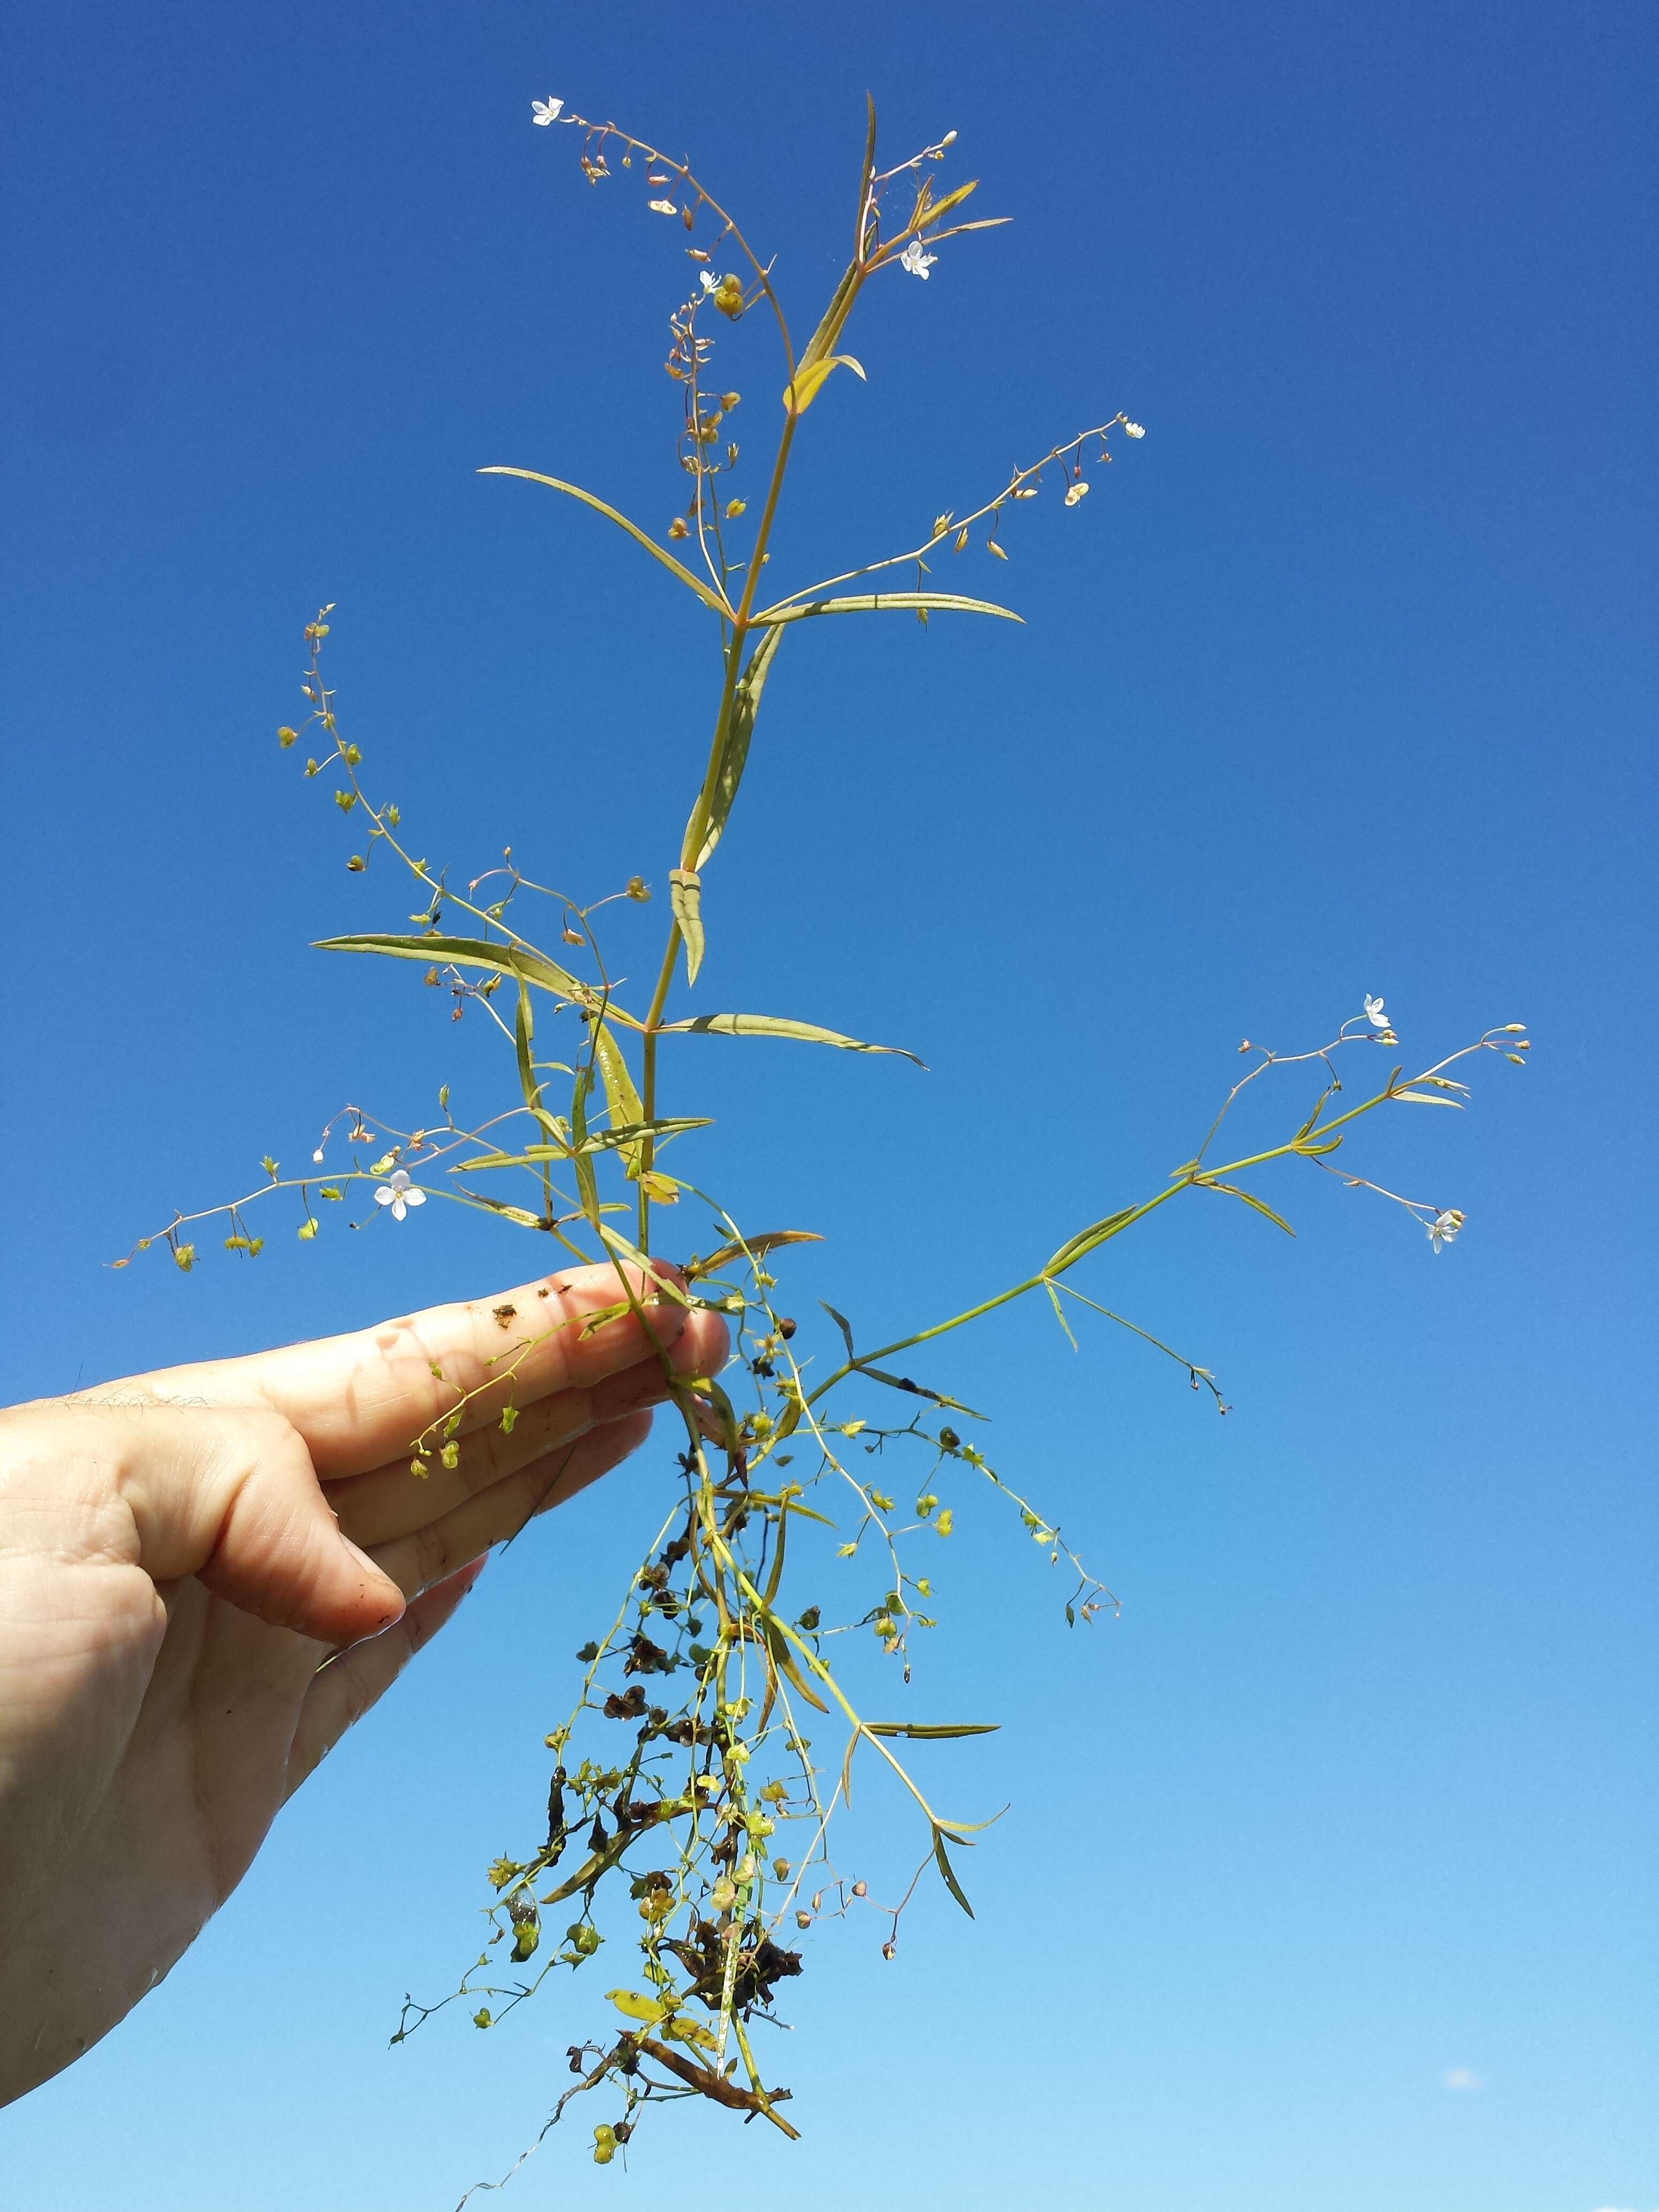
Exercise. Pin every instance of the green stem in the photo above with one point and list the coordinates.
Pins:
(699, 821)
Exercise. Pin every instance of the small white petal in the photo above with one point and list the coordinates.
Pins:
(317, 1154)
(413, 1196)
(400, 1179)
(384, 1197)
(399, 1208)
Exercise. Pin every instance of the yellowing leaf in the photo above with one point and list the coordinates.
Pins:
(809, 381)
(633, 2006)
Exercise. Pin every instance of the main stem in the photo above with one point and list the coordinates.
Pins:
(699, 821)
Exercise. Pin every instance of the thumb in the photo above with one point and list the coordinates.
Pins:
(230, 1495)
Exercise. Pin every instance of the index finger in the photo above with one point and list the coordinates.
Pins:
(361, 1399)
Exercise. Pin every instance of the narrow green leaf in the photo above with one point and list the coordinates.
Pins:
(920, 1732)
(631, 1134)
(524, 1039)
(519, 1213)
(844, 1325)
(946, 1869)
(640, 536)
(619, 1244)
(517, 960)
(533, 1156)
(916, 1389)
(597, 1140)
(1426, 1098)
(1086, 1240)
(776, 1026)
(586, 1183)
(769, 1240)
(784, 1659)
(620, 1095)
(884, 603)
(1059, 1313)
(685, 895)
(741, 727)
(1232, 1190)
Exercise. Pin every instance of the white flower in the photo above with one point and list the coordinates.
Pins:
(317, 1154)
(1445, 1227)
(1134, 430)
(916, 260)
(546, 110)
(399, 1195)
(1374, 1013)
(662, 206)
(1075, 492)
(707, 281)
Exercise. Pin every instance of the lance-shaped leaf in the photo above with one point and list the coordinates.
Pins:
(868, 602)
(685, 897)
(524, 1040)
(784, 1659)
(518, 960)
(574, 491)
(741, 727)
(519, 1213)
(587, 1188)
(777, 1025)
(809, 381)
(844, 1325)
(1260, 1205)
(620, 1095)
(916, 1389)
(936, 210)
(949, 1873)
(621, 1248)
(597, 1140)
(927, 1732)
(755, 1247)
(1086, 1240)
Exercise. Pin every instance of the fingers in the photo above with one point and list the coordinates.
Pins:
(358, 1400)
(227, 1496)
(345, 1690)
(390, 1502)
(416, 1561)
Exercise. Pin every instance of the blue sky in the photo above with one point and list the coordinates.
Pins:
(1343, 682)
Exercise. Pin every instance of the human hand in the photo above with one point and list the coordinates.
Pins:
(180, 1553)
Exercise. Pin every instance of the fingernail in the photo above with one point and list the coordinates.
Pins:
(377, 1573)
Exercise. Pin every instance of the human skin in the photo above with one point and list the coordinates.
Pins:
(180, 1554)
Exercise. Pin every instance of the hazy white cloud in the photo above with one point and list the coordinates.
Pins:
(1462, 2077)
